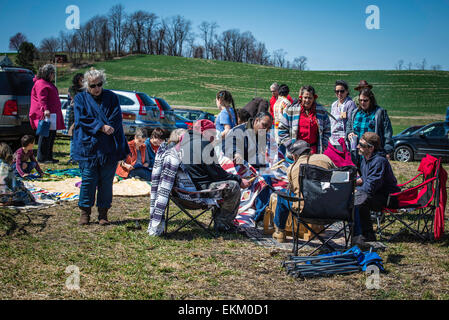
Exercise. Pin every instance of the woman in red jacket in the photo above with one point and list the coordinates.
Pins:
(44, 102)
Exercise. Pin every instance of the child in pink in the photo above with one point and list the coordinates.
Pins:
(24, 160)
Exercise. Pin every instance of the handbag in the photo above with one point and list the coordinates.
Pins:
(43, 128)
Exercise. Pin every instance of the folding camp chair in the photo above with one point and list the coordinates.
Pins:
(185, 206)
(328, 197)
(415, 202)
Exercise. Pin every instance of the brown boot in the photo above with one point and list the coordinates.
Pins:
(279, 235)
(85, 215)
(103, 216)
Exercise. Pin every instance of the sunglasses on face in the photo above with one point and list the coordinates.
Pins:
(340, 91)
(363, 100)
(93, 86)
(364, 145)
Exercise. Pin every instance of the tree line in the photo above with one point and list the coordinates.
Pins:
(118, 33)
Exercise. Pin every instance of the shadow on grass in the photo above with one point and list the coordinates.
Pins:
(16, 221)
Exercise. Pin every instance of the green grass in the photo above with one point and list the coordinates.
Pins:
(115, 263)
(194, 82)
(422, 95)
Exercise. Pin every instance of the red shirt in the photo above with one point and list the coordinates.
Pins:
(308, 128)
(273, 101)
(154, 147)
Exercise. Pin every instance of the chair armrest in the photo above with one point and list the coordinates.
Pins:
(221, 187)
(286, 196)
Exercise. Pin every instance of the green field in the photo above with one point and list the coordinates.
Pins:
(420, 96)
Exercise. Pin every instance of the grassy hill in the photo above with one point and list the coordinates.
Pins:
(421, 95)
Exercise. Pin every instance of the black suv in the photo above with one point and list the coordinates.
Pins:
(15, 99)
(431, 139)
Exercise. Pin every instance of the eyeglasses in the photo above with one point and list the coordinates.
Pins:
(93, 86)
(340, 91)
(365, 145)
(363, 100)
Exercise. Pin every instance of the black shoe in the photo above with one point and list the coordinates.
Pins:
(360, 242)
(54, 160)
(370, 237)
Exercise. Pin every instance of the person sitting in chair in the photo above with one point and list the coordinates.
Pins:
(301, 152)
(377, 181)
(205, 172)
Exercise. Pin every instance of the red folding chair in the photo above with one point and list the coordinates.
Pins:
(420, 204)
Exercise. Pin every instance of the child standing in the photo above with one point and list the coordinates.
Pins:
(24, 161)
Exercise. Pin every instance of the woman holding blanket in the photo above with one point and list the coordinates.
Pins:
(99, 143)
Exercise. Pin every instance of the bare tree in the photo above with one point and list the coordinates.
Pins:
(399, 64)
(16, 40)
(300, 63)
(207, 30)
(150, 26)
(49, 47)
(160, 38)
(436, 67)
(410, 66)
(279, 58)
(179, 30)
(117, 18)
(422, 64)
(136, 25)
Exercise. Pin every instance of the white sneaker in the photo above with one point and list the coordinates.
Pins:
(156, 230)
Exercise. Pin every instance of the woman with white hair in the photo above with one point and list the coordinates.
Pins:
(44, 102)
(99, 143)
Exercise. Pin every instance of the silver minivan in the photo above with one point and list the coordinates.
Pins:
(15, 100)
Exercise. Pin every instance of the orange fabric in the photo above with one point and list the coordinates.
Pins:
(131, 159)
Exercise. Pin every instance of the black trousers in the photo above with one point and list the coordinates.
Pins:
(45, 147)
(364, 206)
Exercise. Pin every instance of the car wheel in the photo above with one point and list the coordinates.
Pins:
(403, 154)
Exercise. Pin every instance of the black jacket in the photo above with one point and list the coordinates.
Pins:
(202, 174)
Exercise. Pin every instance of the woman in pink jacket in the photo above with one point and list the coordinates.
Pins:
(45, 101)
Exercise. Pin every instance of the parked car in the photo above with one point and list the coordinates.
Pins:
(430, 139)
(183, 123)
(65, 101)
(15, 100)
(408, 131)
(195, 114)
(138, 111)
(166, 114)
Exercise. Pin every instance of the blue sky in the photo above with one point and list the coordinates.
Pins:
(331, 34)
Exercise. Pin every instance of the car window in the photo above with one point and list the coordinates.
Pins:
(182, 113)
(147, 100)
(434, 131)
(165, 106)
(16, 83)
(195, 116)
(124, 101)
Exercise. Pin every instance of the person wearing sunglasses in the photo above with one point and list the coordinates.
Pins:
(369, 117)
(341, 110)
(99, 143)
(376, 183)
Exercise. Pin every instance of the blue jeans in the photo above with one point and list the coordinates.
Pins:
(282, 210)
(144, 173)
(93, 178)
(71, 148)
(30, 166)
